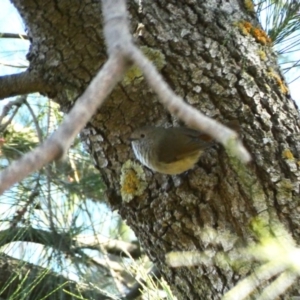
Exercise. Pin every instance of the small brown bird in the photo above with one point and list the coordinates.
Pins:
(171, 150)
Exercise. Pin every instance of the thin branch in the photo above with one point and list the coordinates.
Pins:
(13, 36)
(2, 63)
(46, 238)
(18, 102)
(20, 84)
(114, 13)
(105, 257)
(57, 144)
(39, 236)
(190, 115)
(294, 79)
(5, 125)
(49, 116)
(21, 212)
(49, 179)
(49, 200)
(35, 121)
(121, 50)
(112, 246)
(64, 243)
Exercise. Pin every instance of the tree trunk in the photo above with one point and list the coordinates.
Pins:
(208, 57)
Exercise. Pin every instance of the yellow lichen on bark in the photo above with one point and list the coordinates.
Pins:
(133, 181)
(249, 5)
(284, 89)
(287, 154)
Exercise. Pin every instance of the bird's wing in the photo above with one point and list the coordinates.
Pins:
(188, 142)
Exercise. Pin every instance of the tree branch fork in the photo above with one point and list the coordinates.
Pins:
(122, 53)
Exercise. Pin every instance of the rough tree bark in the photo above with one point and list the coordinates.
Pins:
(208, 57)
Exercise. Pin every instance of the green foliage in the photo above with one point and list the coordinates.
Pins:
(52, 207)
(281, 20)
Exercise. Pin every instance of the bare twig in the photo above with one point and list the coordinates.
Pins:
(18, 216)
(18, 102)
(13, 36)
(48, 179)
(6, 124)
(35, 121)
(44, 237)
(57, 144)
(175, 104)
(112, 246)
(190, 115)
(105, 258)
(116, 27)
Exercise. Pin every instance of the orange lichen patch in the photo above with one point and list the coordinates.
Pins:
(245, 27)
(281, 84)
(286, 153)
(249, 5)
(248, 26)
(259, 35)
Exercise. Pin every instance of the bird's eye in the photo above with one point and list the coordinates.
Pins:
(142, 135)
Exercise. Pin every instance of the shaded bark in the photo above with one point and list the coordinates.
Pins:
(206, 59)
